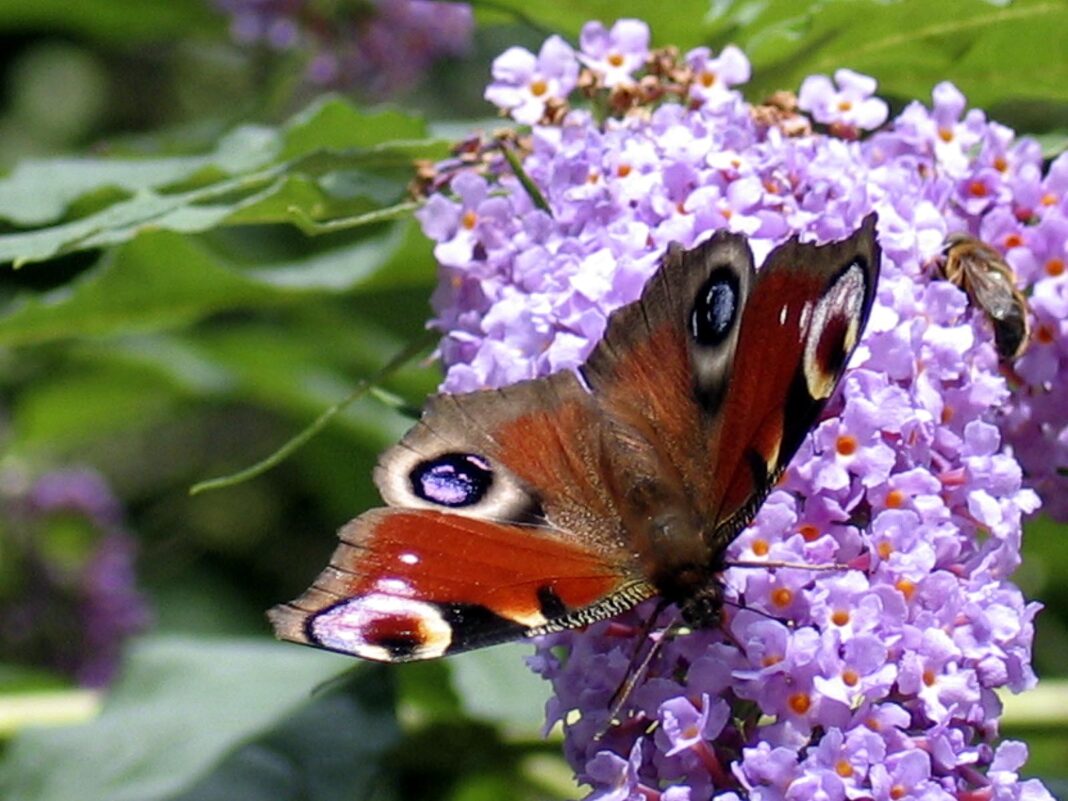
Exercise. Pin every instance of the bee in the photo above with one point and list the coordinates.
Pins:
(988, 280)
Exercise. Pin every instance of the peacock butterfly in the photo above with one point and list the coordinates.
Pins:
(564, 500)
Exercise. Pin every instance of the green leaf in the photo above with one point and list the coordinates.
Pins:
(991, 50)
(330, 161)
(181, 705)
(21, 678)
(495, 685)
(425, 692)
(331, 123)
(279, 200)
(1053, 144)
(684, 24)
(1041, 707)
(110, 399)
(185, 212)
(23, 705)
(331, 750)
(280, 371)
(363, 387)
(162, 279)
(111, 20)
(38, 191)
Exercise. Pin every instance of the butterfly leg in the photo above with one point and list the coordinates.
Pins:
(639, 665)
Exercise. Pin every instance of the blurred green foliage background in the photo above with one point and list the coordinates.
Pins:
(204, 265)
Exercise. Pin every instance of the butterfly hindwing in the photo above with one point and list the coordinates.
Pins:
(408, 584)
(500, 526)
(540, 443)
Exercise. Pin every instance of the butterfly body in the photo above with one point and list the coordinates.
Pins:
(555, 502)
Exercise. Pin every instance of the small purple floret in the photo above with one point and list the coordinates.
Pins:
(379, 48)
(74, 602)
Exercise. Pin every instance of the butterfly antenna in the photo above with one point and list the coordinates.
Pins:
(826, 567)
(754, 610)
(638, 666)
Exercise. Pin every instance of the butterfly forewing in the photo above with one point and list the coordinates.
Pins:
(801, 323)
(729, 369)
(651, 371)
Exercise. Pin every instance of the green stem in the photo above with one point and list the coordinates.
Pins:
(414, 348)
(524, 179)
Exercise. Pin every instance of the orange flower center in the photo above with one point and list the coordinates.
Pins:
(538, 87)
(800, 703)
(945, 134)
(840, 617)
(1049, 199)
(761, 547)
(469, 220)
(770, 659)
(781, 597)
(707, 79)
(1013, 241)
(977, 189)
(623, 170)
(850, 677)
(929, 677)
(1044, 334)
(897, 792)
(846, 445)
(1054, 267)
(809, 532)
(616, 59)
(845, 105)
(843, 769)
(895, 499)
(885, 548)
(906, 588)
(947, 413)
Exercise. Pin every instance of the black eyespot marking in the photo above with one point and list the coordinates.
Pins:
(453, 480)
(758, 469)
(715, 308)
(474, 625)
(398, 644)
(549, 602)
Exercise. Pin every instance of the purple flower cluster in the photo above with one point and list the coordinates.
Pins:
(68, 599)
(874, 682)
(381, 47)
(1033, 233)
